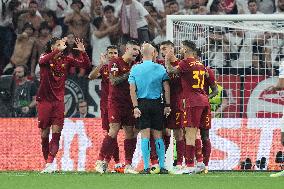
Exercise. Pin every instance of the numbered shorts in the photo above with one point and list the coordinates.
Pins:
(120, 114)
(50, 113)
(198, 116)
(175, 119)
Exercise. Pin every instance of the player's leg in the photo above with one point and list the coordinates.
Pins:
(57, 122)
(206, 147)
(180, 145)
(44, 123)
(107, 147)
(190, 137)
(194, 117)
(204, 132)
(45, 142)
(145, 148)
(167, 137)
(157, 127)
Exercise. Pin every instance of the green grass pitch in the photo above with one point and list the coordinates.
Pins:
(72, 180)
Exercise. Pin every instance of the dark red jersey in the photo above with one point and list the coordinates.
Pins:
(119, 93)
(192, 75)
(53, 72)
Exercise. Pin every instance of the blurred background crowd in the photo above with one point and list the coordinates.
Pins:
(26, 26)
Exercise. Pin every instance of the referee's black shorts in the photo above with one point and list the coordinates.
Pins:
(152, 114)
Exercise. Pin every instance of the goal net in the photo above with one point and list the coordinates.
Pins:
(245, 52)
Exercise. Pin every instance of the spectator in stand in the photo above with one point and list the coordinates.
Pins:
(78, 21)
(280, 7)
(174, 7)
(187, 7)
(158, 4)
(136, 27)
(96, 9)
(228, 6)
(82, 112)
(252, 6)
(38, 49)
(105, 29)
(31, 16)
(50, 17)
(152, 28)
(6, 33)
(24, 94)
(114, 3)
(23, 49)
(162, 35)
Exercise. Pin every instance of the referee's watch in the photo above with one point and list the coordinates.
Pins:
(167, 105)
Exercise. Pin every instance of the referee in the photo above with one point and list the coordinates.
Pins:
(147, 81)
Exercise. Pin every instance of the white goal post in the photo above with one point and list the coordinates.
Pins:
(246, 51)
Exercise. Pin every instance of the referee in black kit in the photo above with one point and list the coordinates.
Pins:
(147, 82)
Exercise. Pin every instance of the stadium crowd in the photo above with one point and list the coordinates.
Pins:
(26, 26)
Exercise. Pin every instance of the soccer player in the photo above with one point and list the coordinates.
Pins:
(120, 110)
(102, 71)
(147, 81)
(280, 86)
(174, 121)
(196, 106)
(203, 149)
(54, 67)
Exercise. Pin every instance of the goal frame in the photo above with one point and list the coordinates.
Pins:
(243, 17)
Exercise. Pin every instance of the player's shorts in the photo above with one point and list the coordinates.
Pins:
(122, 114)
(198, 116)
(152, 114)
(50, 113)
(175, 119)
(104, 117)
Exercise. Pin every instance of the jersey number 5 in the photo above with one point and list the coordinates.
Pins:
(199, 76)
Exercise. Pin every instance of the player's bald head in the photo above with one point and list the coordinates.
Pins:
(147, 50)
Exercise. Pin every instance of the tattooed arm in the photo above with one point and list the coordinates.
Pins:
(119, 79)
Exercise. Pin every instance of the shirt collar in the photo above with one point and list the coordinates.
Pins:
(147, 61)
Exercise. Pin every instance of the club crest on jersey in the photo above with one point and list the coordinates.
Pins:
(114, 68)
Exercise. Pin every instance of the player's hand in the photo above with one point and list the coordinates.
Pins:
(136, 112)
(103, 58)
(25, 109)
(167, 111)
(80, 45)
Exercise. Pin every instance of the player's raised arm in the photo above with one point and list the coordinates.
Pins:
(95, 73)
(82, 62)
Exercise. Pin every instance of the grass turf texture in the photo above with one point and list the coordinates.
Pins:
(71, 180)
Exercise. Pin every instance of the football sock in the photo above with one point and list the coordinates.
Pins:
(53, 147)
(167, 140)
(160, 149)
(107, 148)
(189, 155)
(116, 152)
(198, 150)
(129, 148)
(180, 148)
(145, 147)
(206, 151)
(45, 147)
